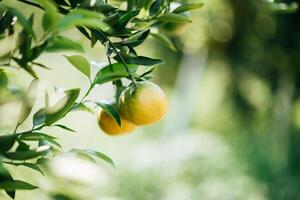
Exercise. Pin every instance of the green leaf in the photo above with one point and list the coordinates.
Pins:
(39, 117)
(16, 185)
(25, 155)
(140, 60)
(59, 43)
(36, 51)
(101, 156)
(32, 166)
(94, 153)
(155, 7)
(59, 110)
(6, 177)
(188, 6)
(80, 63)
(113, 72)
(81, 106)
(173, 17)
(164, 40)
(35, 136)
(51, 15)
(58, 196)
(6, 22)
(149, 71)
(134, 40)
(3, 79)
(22, 146)
(64, 127)
(98, 6)
(111, 111)
(49, 141)
(23, 21)
(124, 19)
(81, 17)
(28, 102)
(7, 142)
(43, 161)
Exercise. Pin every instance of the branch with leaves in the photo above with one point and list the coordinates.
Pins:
(117, 28)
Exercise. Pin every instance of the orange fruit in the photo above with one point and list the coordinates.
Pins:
(144, 103)
(111, 127)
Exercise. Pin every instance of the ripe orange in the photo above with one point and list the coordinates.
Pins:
(111, 127)
(144, 104)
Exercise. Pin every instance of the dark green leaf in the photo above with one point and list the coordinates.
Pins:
(111, 110)
(98, 6)
(36, 51)
(16, 185)
(32, 166)
(6, 177)
(23, 21)
(6, 21)
(64, 127)
(124, 19)
(25, 155)
(155, 7)
(140, 60)
(61, 2)
(7, 142)
(22, 146)
(112, 19)
(135, 40)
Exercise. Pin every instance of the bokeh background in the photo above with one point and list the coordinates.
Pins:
(232, 131)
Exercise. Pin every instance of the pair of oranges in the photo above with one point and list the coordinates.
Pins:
(144, 104)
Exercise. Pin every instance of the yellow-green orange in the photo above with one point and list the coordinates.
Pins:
(111, 127)
(145, 104)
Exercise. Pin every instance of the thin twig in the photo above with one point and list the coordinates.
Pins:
(120, 56)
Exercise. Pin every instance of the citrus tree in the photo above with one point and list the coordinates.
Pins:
(117, 26)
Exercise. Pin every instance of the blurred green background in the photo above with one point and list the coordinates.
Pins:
(232, 131)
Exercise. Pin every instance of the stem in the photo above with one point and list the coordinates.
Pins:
(16, 128)
(34, 129)
(123, 61)
(7, 65)
(120, 56)
(87, 93)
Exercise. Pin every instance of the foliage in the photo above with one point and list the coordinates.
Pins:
(118, 28)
